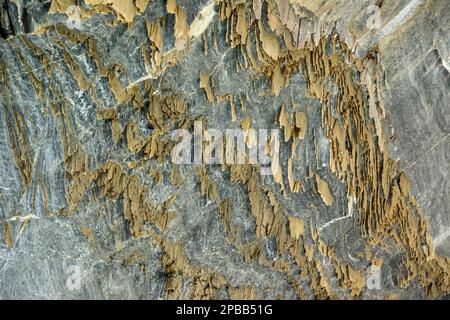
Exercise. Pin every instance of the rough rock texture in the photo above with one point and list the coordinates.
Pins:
(91, 205)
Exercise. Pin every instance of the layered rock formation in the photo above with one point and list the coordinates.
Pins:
(92, 205)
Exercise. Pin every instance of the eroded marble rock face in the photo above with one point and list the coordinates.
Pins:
(353, 205)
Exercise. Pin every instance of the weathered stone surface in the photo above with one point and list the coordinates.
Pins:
(92, 205)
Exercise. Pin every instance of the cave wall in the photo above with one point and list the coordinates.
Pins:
(92, 205)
